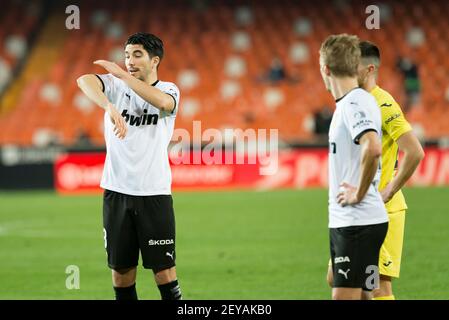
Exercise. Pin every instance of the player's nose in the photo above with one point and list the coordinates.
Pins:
(131, 61)
(130, 65)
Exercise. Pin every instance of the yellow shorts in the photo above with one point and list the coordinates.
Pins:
(391, 250)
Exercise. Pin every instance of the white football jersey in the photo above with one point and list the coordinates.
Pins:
(138, 164)
(356, 113)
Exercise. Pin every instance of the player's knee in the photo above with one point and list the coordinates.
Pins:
(337, 296)
(165, 276)
(124, 277)
(123, 271)
(385, 287)
(346, 294)
(367, 295)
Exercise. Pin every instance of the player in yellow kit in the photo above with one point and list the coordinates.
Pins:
(396, 135)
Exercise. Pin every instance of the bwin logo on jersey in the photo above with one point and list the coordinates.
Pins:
(341, 259)
(145, 119)
(160, 242)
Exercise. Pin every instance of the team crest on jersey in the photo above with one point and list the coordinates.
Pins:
(359, 115)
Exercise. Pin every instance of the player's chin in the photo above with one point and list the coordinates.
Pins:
(137, 76)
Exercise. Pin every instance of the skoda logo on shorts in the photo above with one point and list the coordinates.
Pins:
(160, 242)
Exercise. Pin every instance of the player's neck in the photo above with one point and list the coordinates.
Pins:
(370, 85)
(341, 86)
(152, 78)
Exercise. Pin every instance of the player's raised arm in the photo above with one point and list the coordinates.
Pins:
(413, 154)
(147, 92)
(371, 150)
(92, 88)
(152, 95)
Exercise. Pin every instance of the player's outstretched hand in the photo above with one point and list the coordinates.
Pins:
(347, 195)
(120, 128)
(112, 68)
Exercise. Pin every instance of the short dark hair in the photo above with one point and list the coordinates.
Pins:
(370, 51)
(152, 44)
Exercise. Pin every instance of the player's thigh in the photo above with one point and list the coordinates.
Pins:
(120, 235)
(391, 251)
(370, 243)
(157, 232)
(343, 255)
(353, 250)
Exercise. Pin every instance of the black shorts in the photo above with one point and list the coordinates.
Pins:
(133, 223)
(355, 255)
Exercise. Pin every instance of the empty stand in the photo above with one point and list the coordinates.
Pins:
(230, 91)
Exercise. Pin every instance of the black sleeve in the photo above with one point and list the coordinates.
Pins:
(174, 108)
(102, 83)
(359, 136)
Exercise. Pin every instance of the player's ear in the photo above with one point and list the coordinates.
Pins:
(156, 61)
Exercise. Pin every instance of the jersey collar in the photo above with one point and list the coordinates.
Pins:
(155, 83)
(375, 89)
(339, 99)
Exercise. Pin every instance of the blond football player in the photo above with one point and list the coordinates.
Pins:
(396, 135)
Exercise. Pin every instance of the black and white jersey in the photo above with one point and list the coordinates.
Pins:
(356, 113)
(138, 164)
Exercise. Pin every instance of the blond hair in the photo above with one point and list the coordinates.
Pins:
(341, 53)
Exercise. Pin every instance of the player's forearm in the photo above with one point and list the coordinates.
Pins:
(370, 155)
(408, 166)
(150, 94)
(369, 165)
(89, 85)
(413, 154)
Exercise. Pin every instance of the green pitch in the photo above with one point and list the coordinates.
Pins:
(230, 245)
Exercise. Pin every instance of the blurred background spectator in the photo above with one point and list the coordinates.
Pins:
(277, 71)
(323, 118)
(412, 85)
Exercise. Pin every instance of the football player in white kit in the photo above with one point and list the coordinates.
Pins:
(358, 221)
(138, 215)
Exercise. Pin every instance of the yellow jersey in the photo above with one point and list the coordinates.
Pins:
(394, 125)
